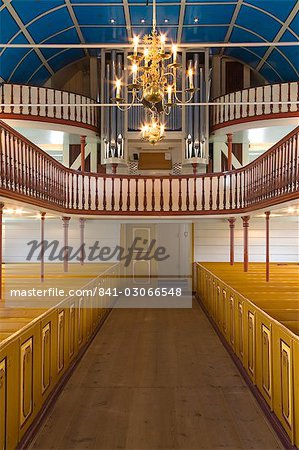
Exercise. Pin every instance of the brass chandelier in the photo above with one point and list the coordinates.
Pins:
(154, 75)
(153, 131)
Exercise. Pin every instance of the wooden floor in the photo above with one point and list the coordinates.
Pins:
(156, 379)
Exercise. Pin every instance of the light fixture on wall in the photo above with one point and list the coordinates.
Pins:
(155, 74)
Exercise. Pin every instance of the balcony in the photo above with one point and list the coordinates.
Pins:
(235, 108)
(46, 105)
(29, 175)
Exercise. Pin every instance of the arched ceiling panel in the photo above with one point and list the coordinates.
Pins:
(97, 21)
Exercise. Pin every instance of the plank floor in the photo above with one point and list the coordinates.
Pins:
(156, 379)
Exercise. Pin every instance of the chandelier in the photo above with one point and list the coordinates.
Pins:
(153, 131)
(155, 74)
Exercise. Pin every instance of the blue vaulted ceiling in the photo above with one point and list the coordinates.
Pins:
(100, 21)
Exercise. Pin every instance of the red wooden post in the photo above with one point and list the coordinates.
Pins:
(231, 222)
(1, 249)
(66, 222)
(229, 144)
(42, 238)
(267, 213)
(83, 145)
(245, 240)
(82, 252)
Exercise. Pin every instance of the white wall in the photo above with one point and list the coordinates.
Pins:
(211, 239)
(17, 233)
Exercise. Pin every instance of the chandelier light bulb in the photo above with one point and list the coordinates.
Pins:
(135, 43)
(169, 94)
(174, 53)
(118, 88)
(163, 40)
(190, 77)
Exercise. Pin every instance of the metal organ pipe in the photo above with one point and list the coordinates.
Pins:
(196, 122)
(113, 115)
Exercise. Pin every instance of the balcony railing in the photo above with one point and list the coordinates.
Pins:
(236, 108)
(28, 174)
(18, 102)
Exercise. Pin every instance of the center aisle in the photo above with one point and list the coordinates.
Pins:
(156, 379)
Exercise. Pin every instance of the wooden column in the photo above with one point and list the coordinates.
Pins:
(83, 145)
(229, 144)
(267, 213)
(66, 222)
(82, 254)
(42, 238)
(245, 241)
(1, 249)
(231, 222)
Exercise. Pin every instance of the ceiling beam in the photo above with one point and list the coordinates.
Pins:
(279, 35)
(76, 24)
(181, 21)
(26, 33)
(232, 24)
(182, 45)
(128, 19)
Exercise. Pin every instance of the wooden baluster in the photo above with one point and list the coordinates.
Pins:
(180, 194)
(195, 193)
(153, 194)
(121, 195)
(29, 100)
(11, 98)
(203, 200)
(218, 193)
(263, 99)
(161, 195)
(170, 194)
(75, 108)
(2, 145)
(128, 195)
(38, 101)
(112, 193)
(187, 194)
(136, 195)
(69, 107)
(241, 175)
(295, 159)
(89, 192)
(5, 150)
(235, 106)
(83, 189)
(289, 97)
(280, 97)
(224, 192)
(211, 193)
(54, 104)
(15, 164)
(2, 87)
(271, 99)
(236, 190)
(144, 195)
(230, 191)
(21, 99)
(288, 168)
(78, 193)
(248, 106)
(255, 105)
(46, 102)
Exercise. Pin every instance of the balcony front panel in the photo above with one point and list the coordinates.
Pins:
(260, 103)
(47, 105)
(30, 175)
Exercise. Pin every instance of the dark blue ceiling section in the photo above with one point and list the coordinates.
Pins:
(105, 21)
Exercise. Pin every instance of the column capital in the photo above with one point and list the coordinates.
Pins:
(232, 221)
(82, 221)
(42, 215)
(229, 137)
(245, 221)
(66, 221)
(83, 139)
(1, 207)
(267, 214)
